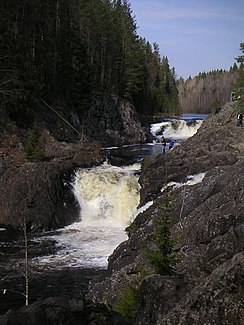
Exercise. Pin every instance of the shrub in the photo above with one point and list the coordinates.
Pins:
(162, 258)
(33, 147)
(128, 302)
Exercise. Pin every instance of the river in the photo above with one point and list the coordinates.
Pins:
(63, 261)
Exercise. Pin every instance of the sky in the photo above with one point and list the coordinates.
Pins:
(195, 35)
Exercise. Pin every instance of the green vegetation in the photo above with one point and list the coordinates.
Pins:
(33, 147)
(208, 91)
(161, 256)
(129, 298)
(240, 82)
(66, 51)
(128, 303)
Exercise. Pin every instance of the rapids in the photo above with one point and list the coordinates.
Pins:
(108, 197)
(62, 262)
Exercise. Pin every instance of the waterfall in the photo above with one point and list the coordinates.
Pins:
(175, 129)
(108, 197)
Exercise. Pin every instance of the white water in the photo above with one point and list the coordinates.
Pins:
(108, 197)
(176, 129)
(191, 180)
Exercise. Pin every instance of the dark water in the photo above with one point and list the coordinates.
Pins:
(68, 282)
(193, 117)
(129, 155)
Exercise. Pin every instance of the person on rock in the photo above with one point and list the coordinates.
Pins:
(164, 143)
(233, 95)
(239, 120)
(171, 144)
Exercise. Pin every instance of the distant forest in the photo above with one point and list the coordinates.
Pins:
(64, 52)
(207, 92)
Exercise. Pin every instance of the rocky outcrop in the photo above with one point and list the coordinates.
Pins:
(42, 193)
(113, 122)
(59, 310)
(208, 285)
(217, 143)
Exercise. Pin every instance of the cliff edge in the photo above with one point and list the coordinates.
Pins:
(207, 180)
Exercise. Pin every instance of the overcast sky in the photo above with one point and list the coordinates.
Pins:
(195, 35)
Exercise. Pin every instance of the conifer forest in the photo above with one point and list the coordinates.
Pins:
(66, 51)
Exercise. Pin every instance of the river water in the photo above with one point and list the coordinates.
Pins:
(108, 196)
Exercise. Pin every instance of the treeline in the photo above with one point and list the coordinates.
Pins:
(65, 51)
(207, 92)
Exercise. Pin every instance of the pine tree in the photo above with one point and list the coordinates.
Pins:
(240, 60)
(162, 257)
(33, 148)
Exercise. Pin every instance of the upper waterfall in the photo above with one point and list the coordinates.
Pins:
(175, 129)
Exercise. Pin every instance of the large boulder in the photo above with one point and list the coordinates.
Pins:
(113, 122)
(41, 194)
(59, 310)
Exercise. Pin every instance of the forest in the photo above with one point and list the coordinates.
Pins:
(207, 92)
(64, 52)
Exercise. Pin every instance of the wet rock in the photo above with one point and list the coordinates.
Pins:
(209, 229)
(58, 310)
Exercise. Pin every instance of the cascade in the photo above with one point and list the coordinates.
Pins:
(175, 129)
(108, 197)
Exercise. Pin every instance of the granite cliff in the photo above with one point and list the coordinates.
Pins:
(207, 287)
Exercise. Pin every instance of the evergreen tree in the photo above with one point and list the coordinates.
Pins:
(33, 147)
(161, 257)
(240, 60)
(63, 51)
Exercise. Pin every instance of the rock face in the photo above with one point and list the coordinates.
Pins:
(42, 193)
(114, 121)
(58, 310)
(208, 285)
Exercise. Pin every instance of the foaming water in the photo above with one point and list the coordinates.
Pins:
(108, 198)
(190, 181)
(175, 129)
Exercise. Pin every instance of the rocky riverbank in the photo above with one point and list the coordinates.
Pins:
(42, 192)
(39, 196)
(207, 287)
